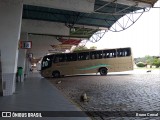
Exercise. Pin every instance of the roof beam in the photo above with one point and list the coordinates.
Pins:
(86, 6)
(44, 27)
(132, 3)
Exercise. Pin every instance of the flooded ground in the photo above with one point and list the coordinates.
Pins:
(137, 90)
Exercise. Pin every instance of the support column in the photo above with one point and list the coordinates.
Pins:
(10, 27)
(22, 56)
(27, 67)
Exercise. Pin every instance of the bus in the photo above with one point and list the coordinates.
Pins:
(91, 61)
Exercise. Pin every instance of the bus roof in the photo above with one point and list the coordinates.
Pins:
(87, 50)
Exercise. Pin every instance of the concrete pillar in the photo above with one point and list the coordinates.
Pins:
(22, 56)
(10, 27)
(27, 66)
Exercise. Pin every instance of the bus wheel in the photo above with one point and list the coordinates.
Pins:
(56, 74)
(103, 71)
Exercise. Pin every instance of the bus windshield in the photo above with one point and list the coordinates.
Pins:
(46, 62)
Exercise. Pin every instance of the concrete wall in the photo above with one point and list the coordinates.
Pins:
(41, 44)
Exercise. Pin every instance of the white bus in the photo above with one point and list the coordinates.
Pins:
(92, 61)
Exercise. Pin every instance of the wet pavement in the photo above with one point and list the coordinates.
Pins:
(124, 91)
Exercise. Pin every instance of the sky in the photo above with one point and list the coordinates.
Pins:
(143, 36)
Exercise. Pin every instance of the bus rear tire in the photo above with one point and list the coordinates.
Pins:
(56, 74)
(103, 71)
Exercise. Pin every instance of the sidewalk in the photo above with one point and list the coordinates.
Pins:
(37, 94)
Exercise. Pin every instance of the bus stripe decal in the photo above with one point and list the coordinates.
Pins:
(94, 67)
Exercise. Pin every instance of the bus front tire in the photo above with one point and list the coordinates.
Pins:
(103, 71)
(56, 74)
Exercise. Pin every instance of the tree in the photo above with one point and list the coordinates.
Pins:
(93, 47)
(156, 62)
(140, 64)
(149, 60)
(79, 48)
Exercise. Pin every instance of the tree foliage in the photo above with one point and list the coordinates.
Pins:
(93, 47)
(156, 62)
(141, 64)
(148, 60)
(79, 48)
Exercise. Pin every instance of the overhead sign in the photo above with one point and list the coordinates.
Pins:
(30, 55)
(25, 44)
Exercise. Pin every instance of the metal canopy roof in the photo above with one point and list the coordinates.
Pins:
(105, 14)
(71, 17)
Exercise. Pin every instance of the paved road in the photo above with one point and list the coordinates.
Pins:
(125, 91)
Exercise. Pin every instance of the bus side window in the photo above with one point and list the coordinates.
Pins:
(71, 57)
(62, 58)
(103, 55)
(83, 56)
(87, 57)
(99, 54)
(74, 56)
(92, 56)
(79, 56)
(114, 53)
(123, 52)
(110, 55)
(106, 54)
(118, 53)
(86, 54)
(56, 59)
(128, 51)
(95, 55)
